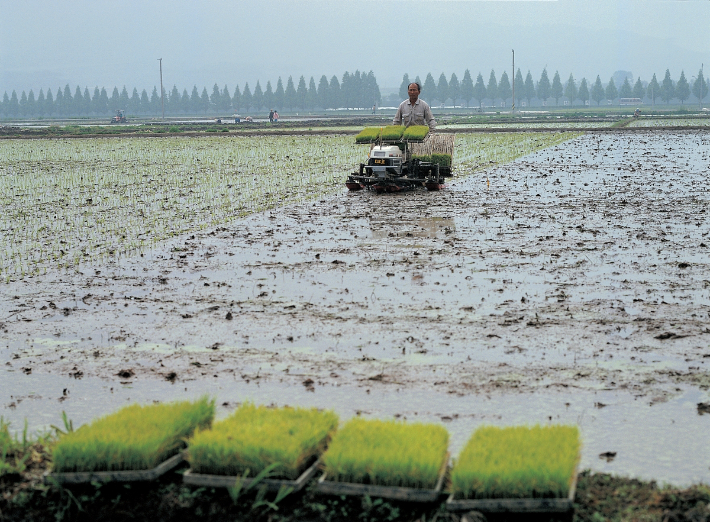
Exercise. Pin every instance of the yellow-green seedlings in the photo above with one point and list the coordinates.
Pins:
(13, 451)
(368, 135)
(392, 132)
(254, 437)
(415, 132)
(387, 453)
(22, 450)
(133, 438)
(422, 157)
(517, 462)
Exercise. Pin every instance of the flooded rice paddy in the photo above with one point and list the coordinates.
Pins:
(650, 121)
(522, 124)
(568, 285)
(67, 202)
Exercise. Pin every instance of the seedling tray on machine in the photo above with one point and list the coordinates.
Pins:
(227, 481)
(516, 505)
(142, 475)
(390, 492)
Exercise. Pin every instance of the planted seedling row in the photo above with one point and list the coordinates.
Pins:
(68, 202)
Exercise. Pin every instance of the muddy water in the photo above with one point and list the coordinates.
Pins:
(660, 442)
(571, 284)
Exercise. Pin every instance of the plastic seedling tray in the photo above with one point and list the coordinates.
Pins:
(390, 492)
(85, 477)
(226, 481)
(516, 505)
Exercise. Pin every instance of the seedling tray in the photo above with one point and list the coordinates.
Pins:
(85, 477)
(329, 487)
(226, 481)
(516, 505)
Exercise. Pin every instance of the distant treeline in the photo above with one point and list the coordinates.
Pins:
(355, 90)
(464, 92)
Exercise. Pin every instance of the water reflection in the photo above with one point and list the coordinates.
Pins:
(429, 227)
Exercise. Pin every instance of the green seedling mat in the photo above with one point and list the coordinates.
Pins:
(391, 492)
(86, 477)
(408, 137)
(516, 505)
(226, 481)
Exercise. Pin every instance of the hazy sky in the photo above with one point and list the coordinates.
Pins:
(114, 43)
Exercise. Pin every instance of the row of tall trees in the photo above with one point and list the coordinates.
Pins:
(465, 91)
(354, 90)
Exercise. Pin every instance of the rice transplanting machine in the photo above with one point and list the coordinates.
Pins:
(403, 158)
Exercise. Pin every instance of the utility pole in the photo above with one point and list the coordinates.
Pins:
(702, 80)
(162, 97)
(513, 77)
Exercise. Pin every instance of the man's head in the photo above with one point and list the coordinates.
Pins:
(413, 90)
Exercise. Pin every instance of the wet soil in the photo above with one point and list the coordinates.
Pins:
(575, 271)
(599, 497)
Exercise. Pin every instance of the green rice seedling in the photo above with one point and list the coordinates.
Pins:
(22, 452)
(368, 135)
(415, 132)
(392, 132)
(255, 437)
(133, 438)
(517, 462)
(443, 160)
(387, 453)
(13, 452)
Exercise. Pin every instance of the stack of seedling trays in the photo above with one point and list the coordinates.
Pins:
(136, 443)
(517, 470)
(386, 459)
(285, 441)
(434, 148)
